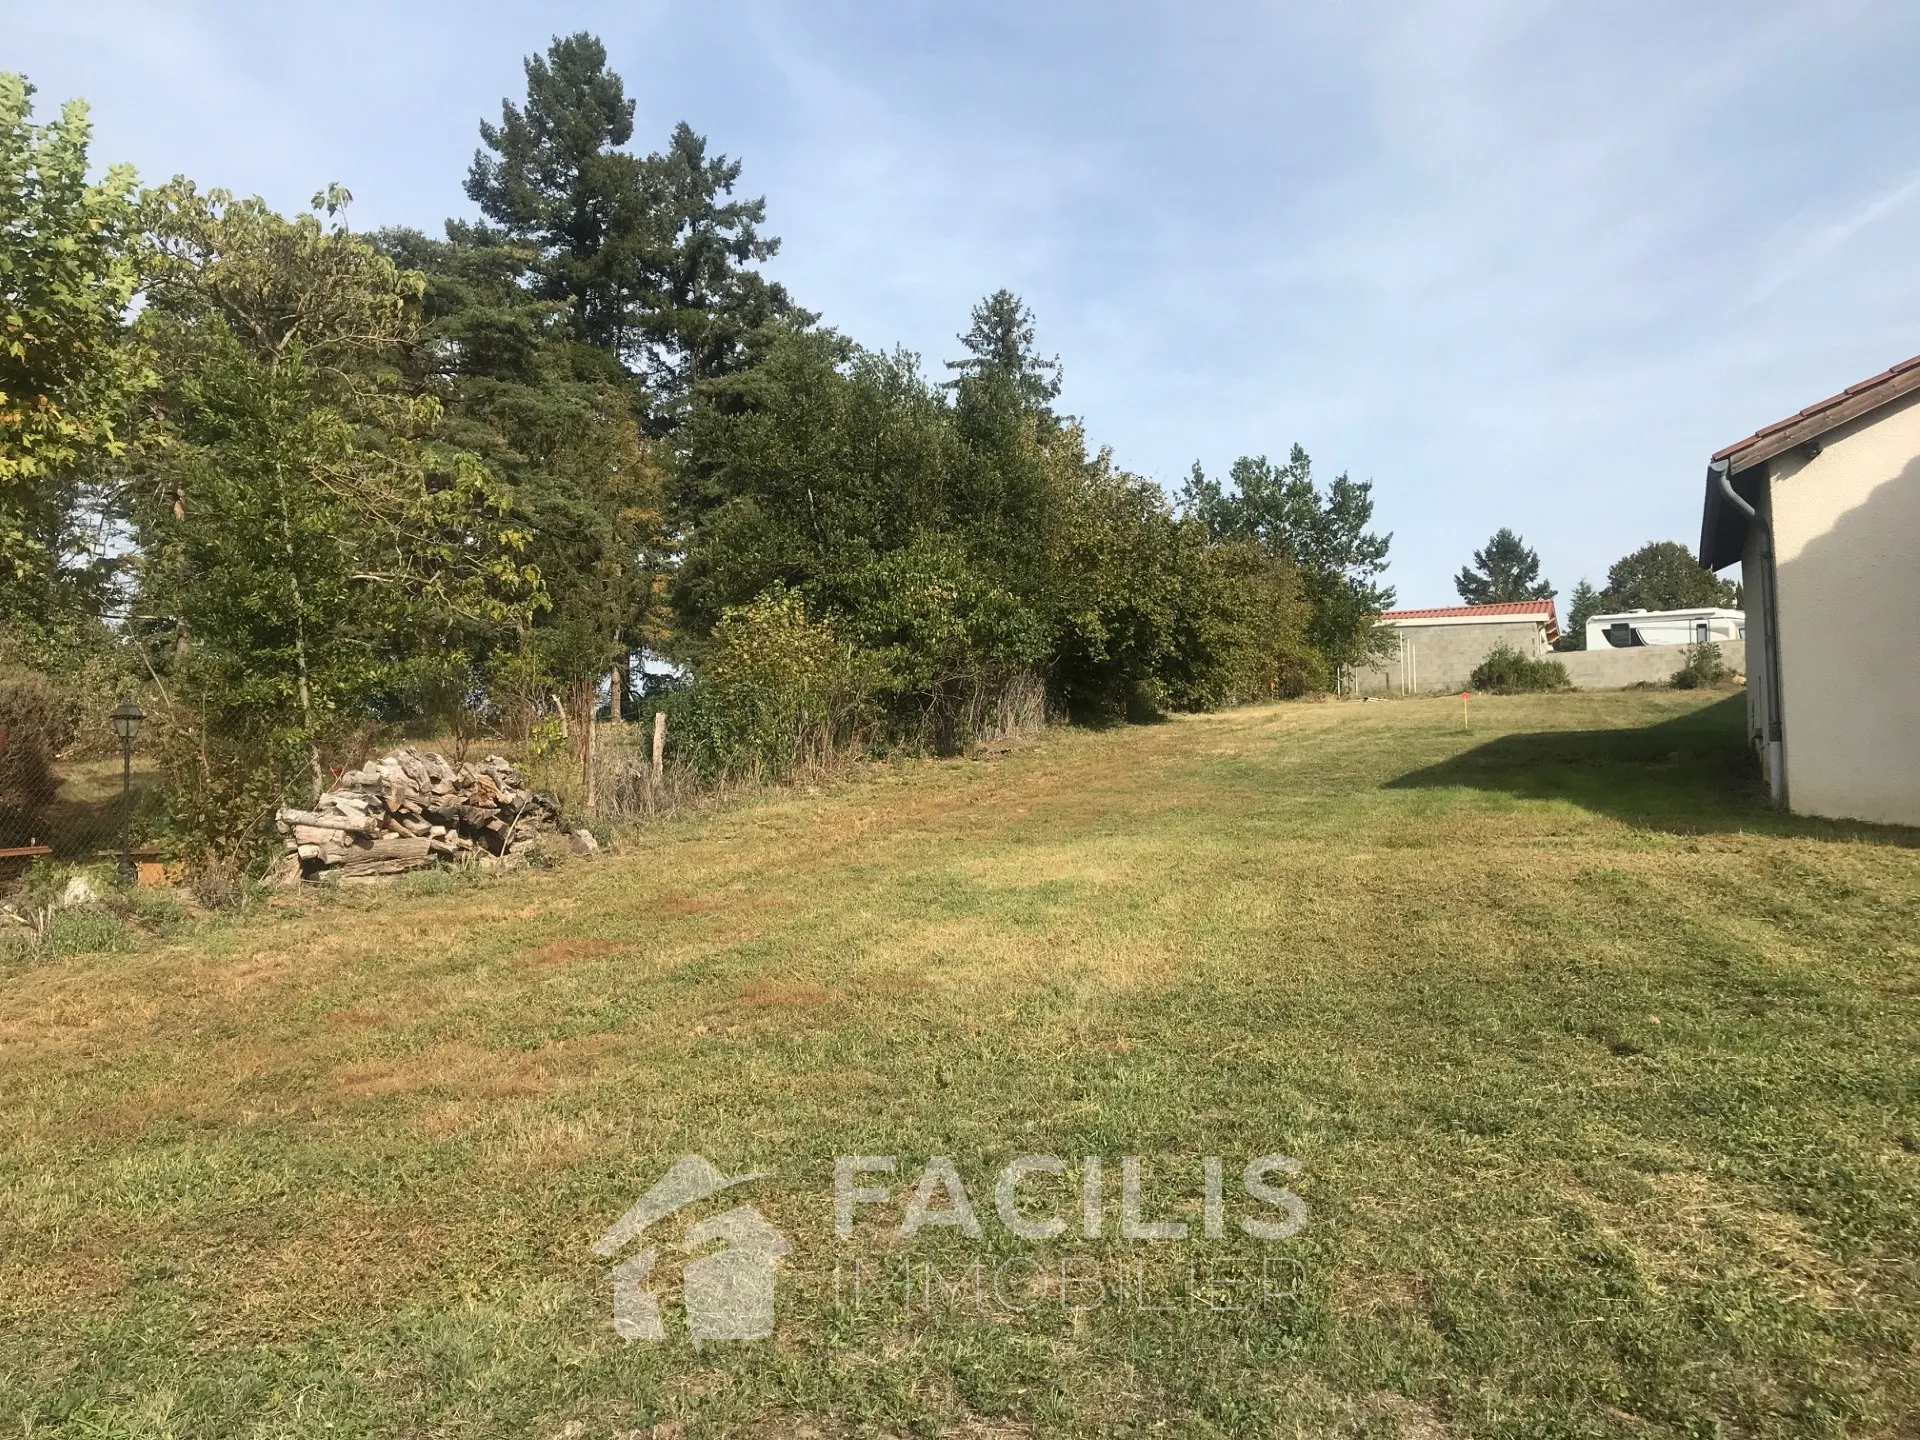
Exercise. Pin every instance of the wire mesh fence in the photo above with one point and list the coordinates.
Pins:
(71, 809)
(67, 802)
(89, 806)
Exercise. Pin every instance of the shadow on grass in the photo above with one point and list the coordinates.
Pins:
(1690, 775)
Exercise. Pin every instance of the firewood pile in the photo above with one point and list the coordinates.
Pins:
(411, 809)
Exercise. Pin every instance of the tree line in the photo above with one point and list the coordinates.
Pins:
(301, 483)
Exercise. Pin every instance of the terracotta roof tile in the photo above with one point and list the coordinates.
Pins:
(1891, 384)
(1508, 607)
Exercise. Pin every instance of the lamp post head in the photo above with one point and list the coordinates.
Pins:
(126, 719)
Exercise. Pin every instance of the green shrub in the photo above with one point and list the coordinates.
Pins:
(774, 691)
(87, 667)
(1704, 667)
(1506, 671)
(948, 655)
(34, 724)
(223, 778)
(1238, 628)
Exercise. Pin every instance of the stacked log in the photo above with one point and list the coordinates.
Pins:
(410, 809)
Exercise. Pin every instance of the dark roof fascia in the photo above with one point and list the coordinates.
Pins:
(1723, 525)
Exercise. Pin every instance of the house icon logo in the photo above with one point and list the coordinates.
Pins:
(729, 1293)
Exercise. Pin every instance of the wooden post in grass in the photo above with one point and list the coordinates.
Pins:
(659, 745)
(589, 787)
(1465, 724)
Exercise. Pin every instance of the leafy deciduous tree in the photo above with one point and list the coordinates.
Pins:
(1280, 509)
(67, 274)
(300, 520)
(1663, 575)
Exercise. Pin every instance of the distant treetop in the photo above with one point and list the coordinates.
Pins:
(1506, 569)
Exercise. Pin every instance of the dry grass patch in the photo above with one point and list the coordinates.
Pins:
(788, 994)
(562, 952)
(453, 1067)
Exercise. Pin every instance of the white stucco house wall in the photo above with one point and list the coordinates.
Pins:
(1822, 513)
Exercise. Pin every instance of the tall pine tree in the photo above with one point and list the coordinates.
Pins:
(702, 310)
(652, 253)
(558, 418)
(1503, 571)
(1000, 346)
(558, 181)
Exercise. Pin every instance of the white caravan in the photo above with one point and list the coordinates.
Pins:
(1664, 627)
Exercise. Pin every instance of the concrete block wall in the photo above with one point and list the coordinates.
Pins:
(1440, 658)
(1611, 669)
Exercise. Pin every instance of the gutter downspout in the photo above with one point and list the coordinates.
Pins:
(1770, 619)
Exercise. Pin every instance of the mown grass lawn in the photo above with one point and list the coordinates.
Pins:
(1602, 1081)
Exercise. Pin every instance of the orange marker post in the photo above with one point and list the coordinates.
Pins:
(1465, 724)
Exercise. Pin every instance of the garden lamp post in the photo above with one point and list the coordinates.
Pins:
(126, 724)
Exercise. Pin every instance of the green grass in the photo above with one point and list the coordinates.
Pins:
(1601, 1077)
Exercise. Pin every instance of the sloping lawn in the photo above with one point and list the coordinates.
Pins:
(1601, 1081)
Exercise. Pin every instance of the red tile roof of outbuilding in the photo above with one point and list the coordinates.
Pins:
(1505, 607)
(1537, 609)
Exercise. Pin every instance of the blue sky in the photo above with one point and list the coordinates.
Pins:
(1521, 263)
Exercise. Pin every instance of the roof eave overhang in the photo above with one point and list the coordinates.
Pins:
(1535, 617)
(1723, 527)
(1811, 424)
